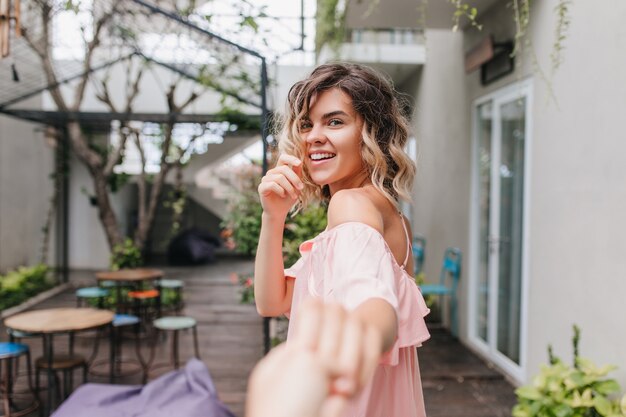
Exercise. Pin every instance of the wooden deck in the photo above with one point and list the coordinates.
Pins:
(456, 383)
(230, 334)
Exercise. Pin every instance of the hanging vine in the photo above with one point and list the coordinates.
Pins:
(562, 10)
(462, 9)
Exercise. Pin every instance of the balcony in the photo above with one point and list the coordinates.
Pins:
(380, 47)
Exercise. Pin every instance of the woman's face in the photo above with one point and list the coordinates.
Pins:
(332, 136)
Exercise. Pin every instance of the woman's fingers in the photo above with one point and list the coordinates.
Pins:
(309, 322)
(286, 159)
(331, 335)
(372, 345)
(267, 188)
(349, 358)
(284, 183)
(291, 175)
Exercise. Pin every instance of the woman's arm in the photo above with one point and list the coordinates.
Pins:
(279, 190)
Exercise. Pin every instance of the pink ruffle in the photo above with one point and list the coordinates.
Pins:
(351, 263)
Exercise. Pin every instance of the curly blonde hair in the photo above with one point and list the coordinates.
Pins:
(385, 128)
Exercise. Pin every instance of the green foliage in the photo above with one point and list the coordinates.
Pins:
(117, 180)
(126, 255)
(330, 24)
(25, 282)
(560, 390)
(462, 9)
(307, 224)
(237, 117)
(521, 17)
(563, 22)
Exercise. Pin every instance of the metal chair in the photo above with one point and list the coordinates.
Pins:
(450, 271)
(174, 324)
(10, 351)
(419, 250)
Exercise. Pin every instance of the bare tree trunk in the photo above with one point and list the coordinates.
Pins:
(145, 222)
(93, 161)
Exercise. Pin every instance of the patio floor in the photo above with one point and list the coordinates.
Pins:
(456, 382)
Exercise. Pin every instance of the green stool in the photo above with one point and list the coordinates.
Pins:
(174, 324)
(89, 293)
(174, 286)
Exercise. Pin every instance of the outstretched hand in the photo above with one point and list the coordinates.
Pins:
(325, 363)
(281, 186)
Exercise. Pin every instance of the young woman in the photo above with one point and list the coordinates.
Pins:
(342, 141)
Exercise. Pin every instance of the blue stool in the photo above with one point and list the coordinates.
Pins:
(8, 352)
(89, 293)
(121, 321)
(450, 271)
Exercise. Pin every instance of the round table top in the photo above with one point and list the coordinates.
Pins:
(59, 320)
(139, 274)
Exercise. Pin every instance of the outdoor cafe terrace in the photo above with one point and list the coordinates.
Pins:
(455, 382)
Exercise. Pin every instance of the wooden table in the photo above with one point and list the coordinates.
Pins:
(136, 275)
(54, 321)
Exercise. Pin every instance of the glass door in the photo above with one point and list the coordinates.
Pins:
(498, 234)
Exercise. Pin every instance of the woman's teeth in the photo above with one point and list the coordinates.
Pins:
(320, 156)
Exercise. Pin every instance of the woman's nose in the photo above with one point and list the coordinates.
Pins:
(316, 135)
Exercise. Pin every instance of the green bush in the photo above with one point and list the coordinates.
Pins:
(305, 225)
(561, 390)
(126, 255)
(25, 282)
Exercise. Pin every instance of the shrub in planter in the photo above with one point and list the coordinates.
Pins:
(561, 390)
(25, 282)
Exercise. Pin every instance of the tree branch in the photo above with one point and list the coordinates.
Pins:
(141, 185)
(116, 155)
(91, 46)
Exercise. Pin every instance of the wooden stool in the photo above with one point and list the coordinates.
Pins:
(8, 352)
(65, 363)
(174, 324)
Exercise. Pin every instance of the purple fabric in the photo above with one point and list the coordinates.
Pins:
(188, 392)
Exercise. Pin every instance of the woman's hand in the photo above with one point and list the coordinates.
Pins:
(281, 186)
(327, 361)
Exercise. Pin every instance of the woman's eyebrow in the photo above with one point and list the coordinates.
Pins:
(335, 113)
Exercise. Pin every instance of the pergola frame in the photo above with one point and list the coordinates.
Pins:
(99, 120)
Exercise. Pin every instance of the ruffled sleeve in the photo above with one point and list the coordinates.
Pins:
(351, 263)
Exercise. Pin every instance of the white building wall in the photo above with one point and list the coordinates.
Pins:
(441, 196)
(578, 187)
(26, 163)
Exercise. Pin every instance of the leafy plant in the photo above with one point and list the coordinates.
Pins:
(462, 9)
(430, 299)
(307, 224)
(19, 285)
(126, 255)
(561, 390)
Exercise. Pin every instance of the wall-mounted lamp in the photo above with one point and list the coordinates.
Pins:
(494, 59)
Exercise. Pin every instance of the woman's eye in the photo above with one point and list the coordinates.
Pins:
(305, 125)
(334, 122)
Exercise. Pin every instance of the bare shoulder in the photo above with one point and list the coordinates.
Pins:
(354, 205)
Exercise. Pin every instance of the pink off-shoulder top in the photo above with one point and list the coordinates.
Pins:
(349, 264)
